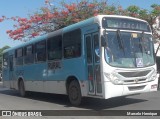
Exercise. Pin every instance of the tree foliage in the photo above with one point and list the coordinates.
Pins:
(52, 17)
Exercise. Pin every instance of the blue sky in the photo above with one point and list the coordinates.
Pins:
(22, 8)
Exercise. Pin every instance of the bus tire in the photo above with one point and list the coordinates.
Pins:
(22, 91)
(74, 93)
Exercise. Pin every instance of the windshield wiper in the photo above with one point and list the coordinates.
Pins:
(120, 41)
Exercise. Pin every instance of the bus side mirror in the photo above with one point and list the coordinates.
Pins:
(103, 41)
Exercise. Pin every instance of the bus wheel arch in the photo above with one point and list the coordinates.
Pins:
(74, 91)
(21, 87)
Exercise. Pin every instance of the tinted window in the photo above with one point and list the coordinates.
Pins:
(19, 56)
(5, 60)
(55, 48)
(19, 52)
(96, 48)
(72, 44)
(89, 49)
(28, 54)
(40, 51)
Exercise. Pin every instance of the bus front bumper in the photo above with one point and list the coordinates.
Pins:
(112, 90)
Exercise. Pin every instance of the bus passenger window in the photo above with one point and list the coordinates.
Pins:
(40, 51)
(72, 44)
(28, 54)
(5, 60)
(19, 56)
(54, 48)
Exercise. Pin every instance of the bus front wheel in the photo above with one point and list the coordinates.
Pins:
(22, 91)
(74, 93)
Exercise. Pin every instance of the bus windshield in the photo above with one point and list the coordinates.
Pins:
(129, 50)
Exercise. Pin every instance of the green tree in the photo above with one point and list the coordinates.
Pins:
(133, 10)
(155, 9)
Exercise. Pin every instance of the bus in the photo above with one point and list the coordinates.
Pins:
(102, 57)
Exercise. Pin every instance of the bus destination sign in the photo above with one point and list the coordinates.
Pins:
(123, 23)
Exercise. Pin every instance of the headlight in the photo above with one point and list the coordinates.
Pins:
(153, 76)
(113, 78)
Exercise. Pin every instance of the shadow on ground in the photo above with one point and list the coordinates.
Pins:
(88, 103)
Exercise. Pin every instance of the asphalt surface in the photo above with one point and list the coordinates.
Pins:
(10, 100)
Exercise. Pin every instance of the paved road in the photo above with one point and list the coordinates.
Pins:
(10, 100)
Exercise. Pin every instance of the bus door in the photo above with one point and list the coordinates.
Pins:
(93, 64)
(11, 71)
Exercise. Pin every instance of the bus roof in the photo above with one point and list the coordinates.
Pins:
(81, 24)
(26, 43)
(119, 16)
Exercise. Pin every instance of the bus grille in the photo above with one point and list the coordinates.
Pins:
(135, 77)
(134, 88)
(134, 74)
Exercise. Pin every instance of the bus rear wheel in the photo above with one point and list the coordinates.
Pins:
(22, 91)
(74, 93)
